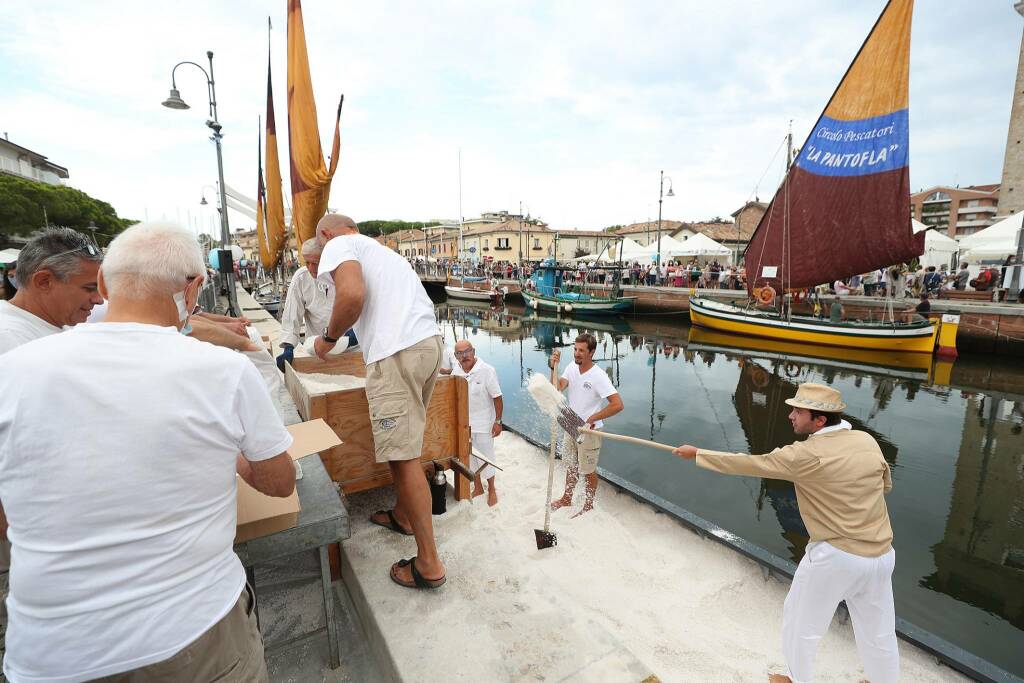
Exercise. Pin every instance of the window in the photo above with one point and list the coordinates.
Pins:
(937, 197)
(536, 243)
(486, 243)
(502, 243)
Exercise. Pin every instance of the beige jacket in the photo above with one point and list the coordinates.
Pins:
(841, 480)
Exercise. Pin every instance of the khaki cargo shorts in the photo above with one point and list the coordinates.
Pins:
(398, 389)
(587, 452)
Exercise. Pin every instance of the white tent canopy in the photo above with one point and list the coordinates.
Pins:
(939, 250)
(670, 248)
(1001, 231)
(702, 245)
(994, 243)
(631, 251)
(9, 255)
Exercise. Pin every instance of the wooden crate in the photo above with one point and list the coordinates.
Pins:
(352, 464)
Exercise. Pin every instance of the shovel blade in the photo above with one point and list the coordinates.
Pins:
(545, 539)
(570, 422)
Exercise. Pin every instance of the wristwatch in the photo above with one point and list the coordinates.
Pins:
(328, 338)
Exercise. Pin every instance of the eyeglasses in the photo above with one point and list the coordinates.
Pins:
(90, 249)
(464, 354)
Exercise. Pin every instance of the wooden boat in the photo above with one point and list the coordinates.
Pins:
(544, 291)
(916, 337)
(473, 289)
(842, 209)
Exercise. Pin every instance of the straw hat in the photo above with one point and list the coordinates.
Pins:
(817, 397)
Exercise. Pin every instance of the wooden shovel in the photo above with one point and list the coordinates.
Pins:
(545, 537)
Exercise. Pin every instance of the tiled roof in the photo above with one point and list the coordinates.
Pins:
(666, 226)
(506, 226)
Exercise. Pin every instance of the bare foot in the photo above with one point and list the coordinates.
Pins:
(564, 501)
(779, 678)
(492, 497)
(477, 491)
(586, 508)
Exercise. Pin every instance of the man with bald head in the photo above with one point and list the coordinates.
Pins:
(485, 408)
(376, 294)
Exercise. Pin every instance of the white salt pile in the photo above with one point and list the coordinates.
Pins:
(544, 393)
(688, 609)
(322, 383)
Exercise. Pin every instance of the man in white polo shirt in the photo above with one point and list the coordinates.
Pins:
(485, 408)
(119, 447)
(381, 298)
(307, 305)
(588, 389)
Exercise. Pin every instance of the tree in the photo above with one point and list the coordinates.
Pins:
(377, 227)
(28, 205)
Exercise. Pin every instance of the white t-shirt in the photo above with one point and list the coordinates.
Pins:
(307, 302)
(117, 473)
(397, 312)
(18, 326)
(483, 389)
(586, 392)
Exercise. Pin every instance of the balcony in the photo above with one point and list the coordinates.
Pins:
(977, 209)
(977, 223)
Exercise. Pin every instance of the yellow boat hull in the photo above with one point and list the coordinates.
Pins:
(906, 339)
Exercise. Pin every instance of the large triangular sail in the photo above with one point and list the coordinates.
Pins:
(274, 198)
(844, 206)
(311, 179)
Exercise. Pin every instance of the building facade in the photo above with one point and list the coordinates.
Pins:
(18, 161)
(510, 240)
(1011, 190)
(575, 243)
(956, 211)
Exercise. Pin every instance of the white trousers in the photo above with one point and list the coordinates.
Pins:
(826, 576)
(483, 442)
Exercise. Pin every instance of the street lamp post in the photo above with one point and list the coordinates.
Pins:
(174, 101)
(661, 195)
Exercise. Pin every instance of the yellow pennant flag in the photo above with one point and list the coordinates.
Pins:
(311, 179)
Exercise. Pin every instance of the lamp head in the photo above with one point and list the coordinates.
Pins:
(203, 202)
(670, 193)
(174, 100)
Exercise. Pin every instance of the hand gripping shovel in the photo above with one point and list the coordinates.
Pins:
(545, 537)
(574, 425)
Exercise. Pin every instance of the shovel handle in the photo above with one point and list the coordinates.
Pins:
(551, 458)
(627, 439)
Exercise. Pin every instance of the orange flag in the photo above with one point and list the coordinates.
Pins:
(311, 179)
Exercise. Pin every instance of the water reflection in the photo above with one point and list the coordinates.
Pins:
(952, 433)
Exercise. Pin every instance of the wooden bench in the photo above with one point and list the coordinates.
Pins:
(963, 295)
(352, 464)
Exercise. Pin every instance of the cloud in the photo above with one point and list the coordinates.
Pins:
(571, 108)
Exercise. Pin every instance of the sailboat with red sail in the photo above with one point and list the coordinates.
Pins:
(842, 209)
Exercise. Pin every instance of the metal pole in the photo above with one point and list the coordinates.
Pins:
(225, 232)
(1018, 264)
(520, 235)
(661, 187)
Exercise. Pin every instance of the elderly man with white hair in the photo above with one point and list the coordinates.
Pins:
(119, 447)
(307, 303)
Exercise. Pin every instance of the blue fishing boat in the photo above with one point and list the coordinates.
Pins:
(546, 290)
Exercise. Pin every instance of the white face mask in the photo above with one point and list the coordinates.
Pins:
(183, 316)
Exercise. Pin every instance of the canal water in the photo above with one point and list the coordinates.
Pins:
(952, 434)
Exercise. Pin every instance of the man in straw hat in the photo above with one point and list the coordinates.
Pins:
(841, 480)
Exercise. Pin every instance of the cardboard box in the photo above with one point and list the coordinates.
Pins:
(262, 515)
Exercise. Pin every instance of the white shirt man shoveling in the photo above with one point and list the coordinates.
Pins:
(588, 387)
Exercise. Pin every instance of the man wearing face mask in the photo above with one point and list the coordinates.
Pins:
(118, 475)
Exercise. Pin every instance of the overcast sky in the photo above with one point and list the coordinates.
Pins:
(571, 108)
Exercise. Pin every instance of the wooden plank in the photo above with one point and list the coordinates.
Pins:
(298, 392)
(464, 443)
(353, 463)
(342, 364)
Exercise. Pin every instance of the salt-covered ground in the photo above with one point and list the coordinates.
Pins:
(633, 579)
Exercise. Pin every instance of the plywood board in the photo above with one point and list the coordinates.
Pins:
(310, 437)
